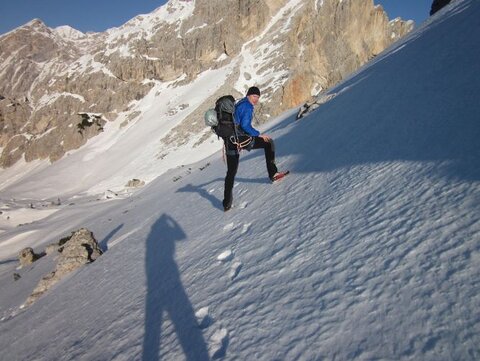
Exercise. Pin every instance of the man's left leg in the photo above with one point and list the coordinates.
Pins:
(232, 166)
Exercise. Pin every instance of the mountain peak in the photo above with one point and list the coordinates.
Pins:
(35, 24)
(68, 33)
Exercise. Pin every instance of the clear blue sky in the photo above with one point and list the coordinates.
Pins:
(99, 15)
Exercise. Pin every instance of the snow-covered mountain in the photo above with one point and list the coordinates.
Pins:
(125, 77)
(369, 249)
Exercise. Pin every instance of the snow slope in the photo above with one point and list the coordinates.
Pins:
(120, 153)
(368, 250)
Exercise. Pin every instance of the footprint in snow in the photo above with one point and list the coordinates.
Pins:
(225, 256)
(235, 270)
(219, 343)
(229, 227)
(203, 317)
(245, 228)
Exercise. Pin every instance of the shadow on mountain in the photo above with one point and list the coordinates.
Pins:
(418, 103)
(166, 297)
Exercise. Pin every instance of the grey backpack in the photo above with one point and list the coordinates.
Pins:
(220, 119)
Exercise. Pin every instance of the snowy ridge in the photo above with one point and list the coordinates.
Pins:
(369, 249)
(174, 11)
(68, 33)
(50, 98)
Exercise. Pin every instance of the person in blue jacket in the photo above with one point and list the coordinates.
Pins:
(247, 138)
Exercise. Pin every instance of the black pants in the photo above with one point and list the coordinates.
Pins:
(233, 157)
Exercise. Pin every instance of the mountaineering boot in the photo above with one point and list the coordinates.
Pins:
(227, 204)
(279, 175)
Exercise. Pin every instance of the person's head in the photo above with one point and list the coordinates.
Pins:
(253, 94)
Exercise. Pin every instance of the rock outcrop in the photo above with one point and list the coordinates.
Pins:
(437, 5)
(75, 251)
(310, 106)
(135, 183)
(52, 80)
(27, 256)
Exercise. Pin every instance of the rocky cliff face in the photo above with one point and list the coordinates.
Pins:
(59, 87)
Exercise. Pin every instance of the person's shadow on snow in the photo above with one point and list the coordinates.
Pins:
(166, 297)
(217, 203)
(200, 189)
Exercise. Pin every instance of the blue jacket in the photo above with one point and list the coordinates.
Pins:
(244, 115)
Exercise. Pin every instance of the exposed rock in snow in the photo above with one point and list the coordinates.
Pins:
(77, 250)
(309, 107)
(27, 256)
(135, 183)
(438, 5)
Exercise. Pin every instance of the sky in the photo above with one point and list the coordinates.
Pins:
(94, 15)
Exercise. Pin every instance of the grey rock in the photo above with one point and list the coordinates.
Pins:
(52, 249)
(135, 183)
(77, 250)
(310, 106)
(27, 256)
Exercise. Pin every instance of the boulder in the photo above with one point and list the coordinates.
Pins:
(135, 183)
(52, 248)
(77, 250)
(80, 249)
(309, 107)
(437, 5)
(27, 256)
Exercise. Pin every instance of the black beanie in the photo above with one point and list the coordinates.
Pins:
(253, 91)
